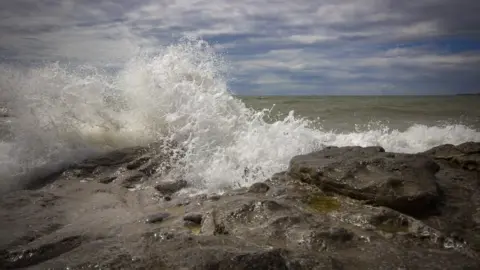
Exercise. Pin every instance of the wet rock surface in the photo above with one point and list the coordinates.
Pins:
(258, 188)
(169, 187)
(159, 217)
(339, 208)
(400, 181)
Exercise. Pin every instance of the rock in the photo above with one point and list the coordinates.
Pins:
(138, 162)
(107, 179)
(458, 180)
(29, 257)
(4, 112)
(467, 162)
(466, 155)
(268, 260)
(170, 187)
(340, 208)
(258, 188)
(402, 182)
(130, 178)
(340, 234)
(213, 197)
(444, 150)
(193, 217)
(114, 158)
(159, 217)
(469, 147)
(150, 167)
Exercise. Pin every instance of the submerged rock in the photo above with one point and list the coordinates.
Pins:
(339, 208)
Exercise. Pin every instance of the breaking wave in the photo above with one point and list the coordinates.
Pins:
(60, 115)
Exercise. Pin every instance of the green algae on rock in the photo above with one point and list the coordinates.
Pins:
(194, 228)
(323, 203)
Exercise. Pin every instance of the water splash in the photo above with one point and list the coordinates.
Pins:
(180, 94)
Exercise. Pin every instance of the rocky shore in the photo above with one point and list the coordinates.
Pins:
(339, 208)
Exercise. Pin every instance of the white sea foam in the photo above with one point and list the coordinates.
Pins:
(180, 94)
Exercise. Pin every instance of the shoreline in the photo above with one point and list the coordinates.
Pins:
(116, 211)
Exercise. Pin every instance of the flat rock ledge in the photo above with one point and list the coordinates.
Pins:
(338, 208)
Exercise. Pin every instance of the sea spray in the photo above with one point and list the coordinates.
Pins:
(62, 115)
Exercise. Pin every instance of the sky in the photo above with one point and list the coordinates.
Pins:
(274, 47)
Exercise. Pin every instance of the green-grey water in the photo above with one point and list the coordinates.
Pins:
(350, 113)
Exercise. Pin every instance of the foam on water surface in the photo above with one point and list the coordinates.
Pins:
(180, 94)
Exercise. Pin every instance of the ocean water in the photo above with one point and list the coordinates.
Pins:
(58, 115)
(363, 113)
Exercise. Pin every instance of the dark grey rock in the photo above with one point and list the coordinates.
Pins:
(213, 197)
(155, 218)
(469, 147)
(193, 217)
(268, 260)
(170, 187)
(107, 179)
(128, 179)
(39, 254)
(333, 209)
(117, 157)
(403, 182)
(340, 234)
(443, 150)
(258, 188)
(458, 181)
(150, 167)
(138, 162)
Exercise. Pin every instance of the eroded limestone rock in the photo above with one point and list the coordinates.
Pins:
(340, 208)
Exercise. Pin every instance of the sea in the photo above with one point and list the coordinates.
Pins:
(347, 114)
(54, 115)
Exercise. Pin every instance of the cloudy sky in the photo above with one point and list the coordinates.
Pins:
(273, 46)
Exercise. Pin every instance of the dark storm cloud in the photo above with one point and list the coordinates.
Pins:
(453, 17)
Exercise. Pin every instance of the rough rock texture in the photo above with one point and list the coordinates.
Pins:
(459, 182)
(340, 208)
(402, 182)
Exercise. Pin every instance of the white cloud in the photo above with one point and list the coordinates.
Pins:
(420, 59)
(270, 78)
(311, 39)
(420, 28)
(336, 39)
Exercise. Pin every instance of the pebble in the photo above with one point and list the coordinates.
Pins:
(193, 217)
(159, 217)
